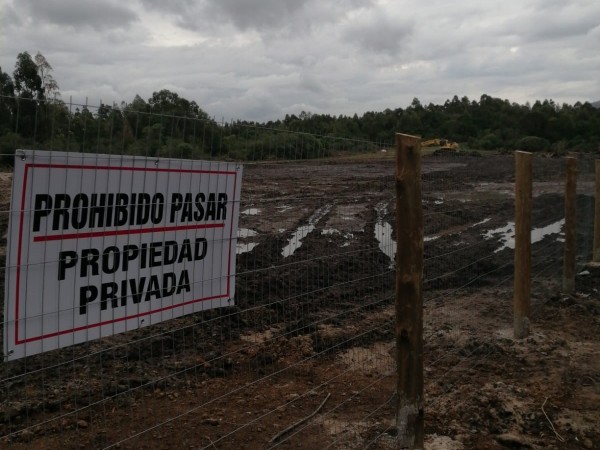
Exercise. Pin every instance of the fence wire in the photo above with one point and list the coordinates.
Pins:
(471, 357)
(313, 314)
(305, 357)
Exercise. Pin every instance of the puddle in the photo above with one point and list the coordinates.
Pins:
(482, 222)
(251, 212)
(383, 234)
(537, 234)
(507, 234)
(295, 242)
(246, 232)
(241, 248)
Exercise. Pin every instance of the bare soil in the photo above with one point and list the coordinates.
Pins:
(310, 341)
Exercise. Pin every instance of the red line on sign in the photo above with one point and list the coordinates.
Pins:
(19, 247)
(132, 169)
(95, 234)
(120, 319)
(230, 241)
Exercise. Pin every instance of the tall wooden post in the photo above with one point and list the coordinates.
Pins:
(523, 201)
(596, 254)
(570, 226)
(409, 293)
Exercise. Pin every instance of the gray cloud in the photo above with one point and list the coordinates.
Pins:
(271, 19)
(380, 34)
(262, 15)
(555, 22)
(98, 14)
(310, 83)
(9, 17)
(187, 13)
(258, 14)
(262, 59)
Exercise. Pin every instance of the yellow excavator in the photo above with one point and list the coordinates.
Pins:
(443, 144)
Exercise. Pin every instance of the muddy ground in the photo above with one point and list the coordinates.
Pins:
(305, 359)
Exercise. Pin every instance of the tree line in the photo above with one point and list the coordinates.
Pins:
(33, 115)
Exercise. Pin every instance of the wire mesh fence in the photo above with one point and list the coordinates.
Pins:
(169, 130)
(311, 318)
(305, 355)
(471, 357)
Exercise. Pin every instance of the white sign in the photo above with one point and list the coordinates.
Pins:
(102, 244)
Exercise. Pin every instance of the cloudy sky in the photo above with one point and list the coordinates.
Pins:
(261, 59)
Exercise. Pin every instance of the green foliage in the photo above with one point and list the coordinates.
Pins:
(277, 145)
(28, 84)
(489, 141)
(9, 142)
(533, 144)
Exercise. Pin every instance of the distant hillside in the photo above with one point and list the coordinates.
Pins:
(596, 104)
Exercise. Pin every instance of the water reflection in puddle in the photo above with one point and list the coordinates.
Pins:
(245, 247)
(246, 232)
(383, 234)
(506, 234)
(486, 220)
(295, 242)
(241, 248)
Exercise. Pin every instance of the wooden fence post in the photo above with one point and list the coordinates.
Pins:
(409, 293)
(596, 254)
(570, 247)
(523, 201)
